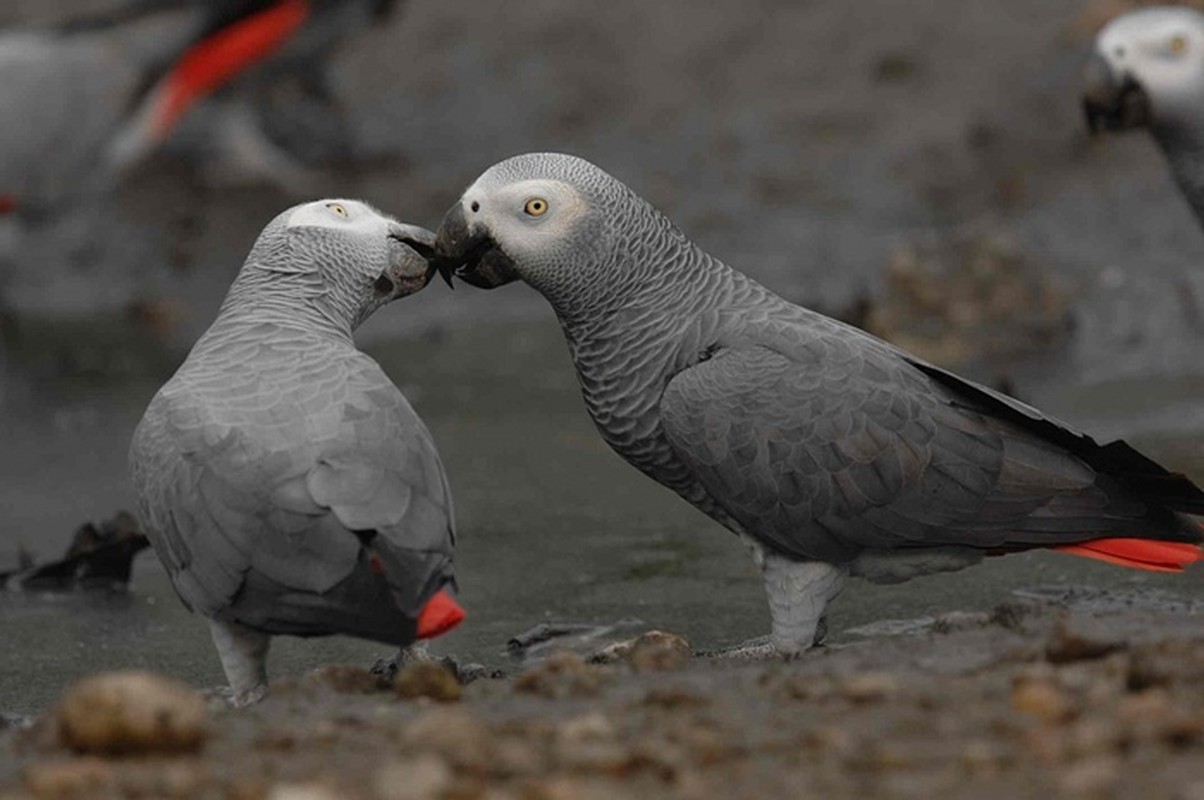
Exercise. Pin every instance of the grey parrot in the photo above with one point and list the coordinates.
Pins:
(285, 483)
(830, 452)
(82, 102)
(1146, 70)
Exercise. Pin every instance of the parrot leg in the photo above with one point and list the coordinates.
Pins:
(244, 655)
(798, 592)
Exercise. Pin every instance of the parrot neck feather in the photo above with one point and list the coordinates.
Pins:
(1184, 150)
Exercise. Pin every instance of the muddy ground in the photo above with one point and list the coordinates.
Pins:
(1026, 701)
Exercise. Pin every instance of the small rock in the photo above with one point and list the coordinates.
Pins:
(953, 621)
(566, 788)
(132, 712)
(75, 776)
(427, 679)
(1192, 791)
(1041, 699)
(984, 757)
(593, 725)
(346, 679)
(672, 697)
(1092, 737)
(454, 734)
(10, 721)
(1012, 614)
(1078, 638)
(1092, 777)
(657, 651)
(1166, 663)
(418, 778)
(562, 675)
(302, 791)
(652, 651)
(869, 687)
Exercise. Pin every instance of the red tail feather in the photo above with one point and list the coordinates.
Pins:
(214, 61)
(8, 204)
(1138, 553)
(440, 614)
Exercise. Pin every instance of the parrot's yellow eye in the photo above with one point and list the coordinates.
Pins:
(338, 209)
(536, 207)
(1178, 44)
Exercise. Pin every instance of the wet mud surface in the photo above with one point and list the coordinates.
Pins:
(1025, 700)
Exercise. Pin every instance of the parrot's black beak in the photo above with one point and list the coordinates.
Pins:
(412, 261)
(1111, 102)
(465, 249)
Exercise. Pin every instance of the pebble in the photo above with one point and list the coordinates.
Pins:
(346, 679)
(652, 651)
(869, 687)
(302, 791)
(132, 712)
(459, 737)
(657, 651)
(562, 675)
(1041, 699)
(953, 621)
(1093, 777)
(1078, 638)
(1192, 791)
(64, 778)
(428, 679)
(417, 778)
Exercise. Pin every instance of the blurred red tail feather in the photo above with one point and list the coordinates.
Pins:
(1138, 553)
(207, 66)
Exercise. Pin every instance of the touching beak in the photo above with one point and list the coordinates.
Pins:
(412, 254)
(465, 249)
(1112, 102)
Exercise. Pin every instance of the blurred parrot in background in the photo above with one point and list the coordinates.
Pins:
(84, 101)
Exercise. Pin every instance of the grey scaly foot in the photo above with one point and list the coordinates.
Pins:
(760, 648)
(798, 593)
(244, 655)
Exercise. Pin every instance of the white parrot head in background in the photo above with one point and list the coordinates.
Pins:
(1147, 70)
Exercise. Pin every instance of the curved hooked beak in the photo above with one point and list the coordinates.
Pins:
(411, 261)
(466, 250)
(1112, 102)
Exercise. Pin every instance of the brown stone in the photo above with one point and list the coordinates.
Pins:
(1078, 638)
(132, 712)
(427, 679)
(68, 777)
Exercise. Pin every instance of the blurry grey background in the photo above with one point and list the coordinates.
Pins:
(859, 158)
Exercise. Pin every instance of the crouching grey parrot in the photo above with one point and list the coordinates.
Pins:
(830, 452)
(1146, 70)
(285, 483)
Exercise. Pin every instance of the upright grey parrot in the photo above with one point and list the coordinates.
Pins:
(830, 452)
(1146, 70)
(284, 481)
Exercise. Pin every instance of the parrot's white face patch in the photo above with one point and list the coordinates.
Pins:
(1163, 50)
(343, 215)
(525, 218)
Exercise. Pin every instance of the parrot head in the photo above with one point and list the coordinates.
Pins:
(1147, 70)
(560, 224)
(343, 253)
